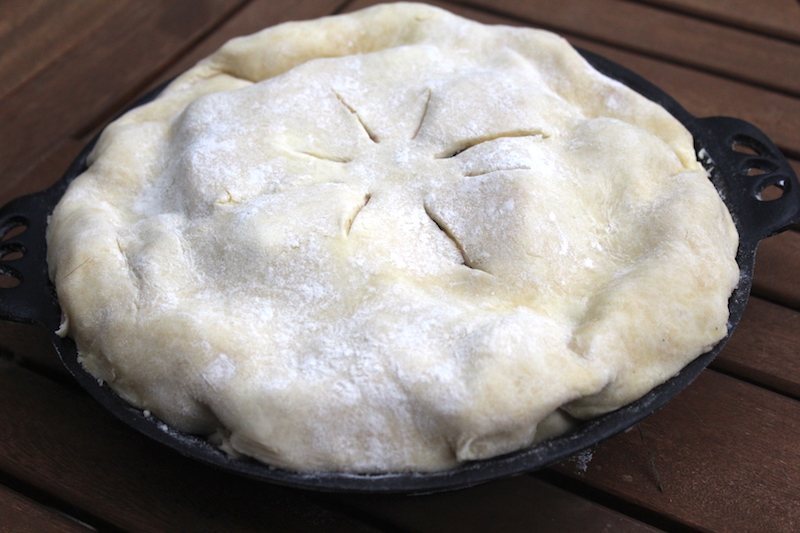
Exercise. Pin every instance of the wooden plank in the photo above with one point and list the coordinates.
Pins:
(777, 265)
(19, 514)
(779, 18)
(47, 171)
(96, 75)
(14, 13)
(63, 443)
(704, 45)
(763, 348)
(29, 343)
(30, 41)
(725, 454)
(521, 503)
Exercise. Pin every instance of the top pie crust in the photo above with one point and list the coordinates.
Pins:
(391, 240)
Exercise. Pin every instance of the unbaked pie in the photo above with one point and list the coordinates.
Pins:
(392, 240)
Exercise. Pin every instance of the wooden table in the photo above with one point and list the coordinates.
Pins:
(723, 456)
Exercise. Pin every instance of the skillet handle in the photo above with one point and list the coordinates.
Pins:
(744, 163)
(26, 295)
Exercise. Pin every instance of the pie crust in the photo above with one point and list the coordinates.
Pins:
(392, 240)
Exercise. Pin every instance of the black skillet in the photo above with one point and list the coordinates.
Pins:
(742, 163)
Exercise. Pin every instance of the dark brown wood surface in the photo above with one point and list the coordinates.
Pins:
(24, 515)
(722, 456)
(775, 18)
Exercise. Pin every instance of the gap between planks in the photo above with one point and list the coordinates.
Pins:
(773, 18)
(19, 513)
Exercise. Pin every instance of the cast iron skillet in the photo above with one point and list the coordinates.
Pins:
(741, 160)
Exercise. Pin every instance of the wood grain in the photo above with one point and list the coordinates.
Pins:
(521, 503)
(726, 455)
(30, 22)
(47, 171)
(777, 266)
(764, 349)
(93, 78)
(19, 514)
(779, 18)
(29, 343)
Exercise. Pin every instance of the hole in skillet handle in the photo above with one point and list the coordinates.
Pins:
(756, 181)
(11, 250)
(24, 293)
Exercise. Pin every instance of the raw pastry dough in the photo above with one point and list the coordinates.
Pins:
(391, 240)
